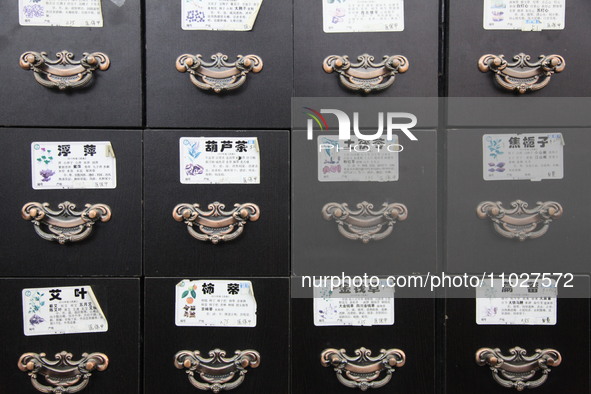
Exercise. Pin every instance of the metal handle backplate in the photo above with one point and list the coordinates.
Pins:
(217, 372)
(366, 76)
(64, 72)
(365, 223)
(517, 369)
(363, 371)
(218, 75)
(61, 375)
(66, 224)
(216, 224)
(522, 75)
(520, 222)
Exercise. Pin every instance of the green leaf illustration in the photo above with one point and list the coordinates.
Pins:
(193, 294)
(185, 293)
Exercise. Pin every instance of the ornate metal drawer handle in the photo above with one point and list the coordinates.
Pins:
(522, 75)
(216, 224)
(366, 75)
(217, 372)
(62, 375)
(520, 222)
(64, 72)
(365, 223)
(218, 75)
(518, 369)
(65, 224)
(362, 371)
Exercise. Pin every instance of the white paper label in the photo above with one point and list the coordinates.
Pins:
(525, 15)
(70, 13)
(73, 165)
(62, 310)
(222, 160)
(533, 156)
(354, 306)
(215, 303)
(357, 160)
(229, 15)
(530, 303)
(358, 16)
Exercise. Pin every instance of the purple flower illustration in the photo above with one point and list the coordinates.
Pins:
(34, 11)
(193, 169)
(46, 174)
(36, 319)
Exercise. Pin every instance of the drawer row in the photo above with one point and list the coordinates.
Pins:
(287, 54)
(282, 354)
(155, 220)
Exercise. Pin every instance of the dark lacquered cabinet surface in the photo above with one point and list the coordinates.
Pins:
(119, 300)
(472, 243)
(262, 248)
(418, 43)
(115, 243)
(570, 336)
(468, 41)
(318, 247)
(413, 333)
(269, 338)
(262, 102)
(114, 99)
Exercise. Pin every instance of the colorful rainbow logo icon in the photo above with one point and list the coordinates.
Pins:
(317, 117)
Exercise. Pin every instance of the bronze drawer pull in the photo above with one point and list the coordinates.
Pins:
(520, 222)
(522, 75)
(218, 75)
(64, 72)
(366, 76)
(218, 372)
(216, 225)
(62, 375)
(365, 223)
(362, 370)
(517, 369)
(66, 224)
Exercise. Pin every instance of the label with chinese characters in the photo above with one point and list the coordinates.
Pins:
(222, 160)
(229, 15)
(71, 13)
(522, 156)
(358, 16)
(215, 303)
(62, 310)
(354, 306)
(73, 165)
(357, 160)
(518, 303)
(525, 15)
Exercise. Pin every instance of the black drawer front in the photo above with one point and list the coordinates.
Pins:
(570, 336)
(418, 43)
(116, 243)
(120, 301)
(269, 338)
(472, 243)
(468, 41)
(115, 97)
(262, 248)
(412, 333)
(319, 248)
(262, 102)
